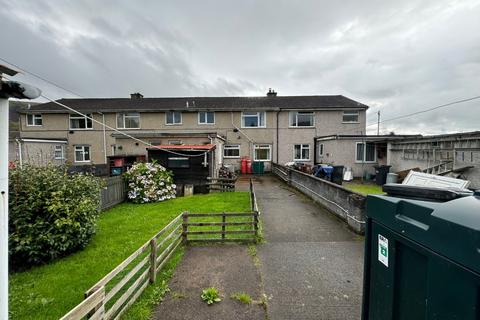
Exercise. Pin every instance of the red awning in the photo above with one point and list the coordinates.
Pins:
(185, 147)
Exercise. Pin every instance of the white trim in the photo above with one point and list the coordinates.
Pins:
(357, 113)
(174, 123)
(301, 149)
(123, 120)
(62, 150)
(296, 119)
(258, 117)
(83, 153)
(79, 117)
(43, 141)
(231, 147)
(256, 146)
(365, 152)
(34, 115)
(206, 123)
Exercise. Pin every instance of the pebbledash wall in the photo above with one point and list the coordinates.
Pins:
(345, 204)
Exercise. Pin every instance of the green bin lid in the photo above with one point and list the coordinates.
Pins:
(451, 229)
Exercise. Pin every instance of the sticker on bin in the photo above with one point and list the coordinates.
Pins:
(383, 250)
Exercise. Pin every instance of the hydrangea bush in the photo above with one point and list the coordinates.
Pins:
(149, 182)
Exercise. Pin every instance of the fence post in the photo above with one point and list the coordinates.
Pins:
(185, 226)
(255, 224)
(153, 260)
(223, 225)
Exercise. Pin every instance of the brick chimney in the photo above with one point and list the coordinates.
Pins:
(136, 95)
(271, 93)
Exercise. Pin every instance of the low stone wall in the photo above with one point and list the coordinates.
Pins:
(346, 204)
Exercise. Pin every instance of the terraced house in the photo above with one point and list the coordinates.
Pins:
(269, 129)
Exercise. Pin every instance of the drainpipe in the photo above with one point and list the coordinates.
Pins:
(104, 138)
(277, 146)
(20, 156)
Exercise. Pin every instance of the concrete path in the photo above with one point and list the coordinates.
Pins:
(311, 264)
(228, 268)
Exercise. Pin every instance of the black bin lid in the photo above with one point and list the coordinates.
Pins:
(425, 193)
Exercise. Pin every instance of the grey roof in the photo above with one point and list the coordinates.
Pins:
(201, 103)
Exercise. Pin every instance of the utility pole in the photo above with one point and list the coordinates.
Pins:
(17, 90)
(378, 123)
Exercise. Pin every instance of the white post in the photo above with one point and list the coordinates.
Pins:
(3, 208)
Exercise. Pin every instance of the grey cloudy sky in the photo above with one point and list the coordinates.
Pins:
(395, 56)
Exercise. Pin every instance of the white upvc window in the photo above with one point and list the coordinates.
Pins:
(34, 120)
(262, 152)
(175, 142)
(253, 119)
(173, 118)
(321, 149)
(128, 120)
(301, 152)
(365, 152)
(58, 153)
(350, 117)
(301, 119)
(82, 153)
(206, 117)
(231, 151)
(79, 122)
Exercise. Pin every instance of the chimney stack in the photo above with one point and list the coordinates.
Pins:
(271, 93)
(136, 95)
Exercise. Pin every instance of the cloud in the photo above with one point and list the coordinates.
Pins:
(397, 57)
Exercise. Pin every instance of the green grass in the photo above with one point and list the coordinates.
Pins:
(50, 291)
(242, 297)
(364, 188)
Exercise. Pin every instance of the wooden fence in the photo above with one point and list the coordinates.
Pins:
(110, 297)
(221, 184)
(114, 192)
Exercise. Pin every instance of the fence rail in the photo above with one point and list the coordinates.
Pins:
(221, 184)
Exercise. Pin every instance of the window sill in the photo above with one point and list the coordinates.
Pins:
(366, 162)
(88, 161)
(301, 127)
(224, 157)
(173, 124)
(253, 127)
(301, 160)
(206, 124)
(80, 129)
(261, 160)
(128, 128)
(34, 125)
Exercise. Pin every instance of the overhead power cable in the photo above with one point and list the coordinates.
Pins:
(148, 144)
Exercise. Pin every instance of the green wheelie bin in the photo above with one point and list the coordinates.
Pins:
(422, 255)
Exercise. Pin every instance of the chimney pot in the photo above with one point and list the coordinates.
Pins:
(271, 93)
(136, 95)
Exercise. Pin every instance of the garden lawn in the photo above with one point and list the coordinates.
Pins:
(50, 291)
(364, 188)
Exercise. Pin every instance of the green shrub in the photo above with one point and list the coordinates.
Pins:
(149, 182)
(51, 213)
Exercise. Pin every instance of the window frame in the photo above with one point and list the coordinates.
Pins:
(124, 116)
(231, 147)
(321, 149)
(177, 158)
(35, 116)
(79, 117)
(206, 123)
(173, 118)
(365, 152)
(262, 146)
(62, 150)
(351, 112)
(312, 113)
(243, 116)
(83, 153)
(302, 145)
